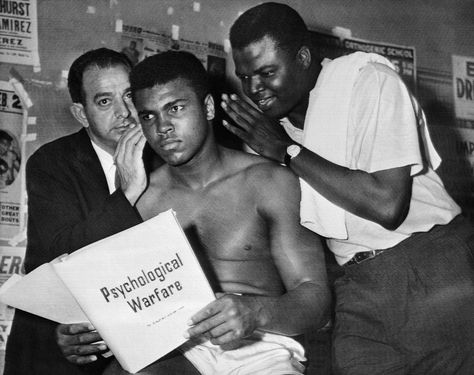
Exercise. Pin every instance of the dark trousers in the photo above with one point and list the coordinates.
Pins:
(409, 310)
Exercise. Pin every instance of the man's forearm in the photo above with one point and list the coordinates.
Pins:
(293, 313)
(382, 197)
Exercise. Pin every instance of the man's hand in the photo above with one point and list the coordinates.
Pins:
(227, 319)
(128, 158)
(79, 343)
(264, 135)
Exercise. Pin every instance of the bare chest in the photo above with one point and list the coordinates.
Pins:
(222, 222)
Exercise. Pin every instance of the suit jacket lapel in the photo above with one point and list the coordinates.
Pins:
(89, 167)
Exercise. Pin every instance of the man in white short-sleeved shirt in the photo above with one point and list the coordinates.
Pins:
(359, 143)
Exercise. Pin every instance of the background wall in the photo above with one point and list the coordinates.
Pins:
(436, 28)
(66, 28)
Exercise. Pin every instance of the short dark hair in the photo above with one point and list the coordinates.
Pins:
(101, 58)
(278, 21)
(168, 66)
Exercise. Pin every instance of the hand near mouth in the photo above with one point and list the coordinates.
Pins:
(129, 162)
(264, 135)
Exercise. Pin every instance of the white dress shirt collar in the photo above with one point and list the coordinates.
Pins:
(108, 165)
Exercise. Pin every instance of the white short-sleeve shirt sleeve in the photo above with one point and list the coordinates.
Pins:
(383, 131)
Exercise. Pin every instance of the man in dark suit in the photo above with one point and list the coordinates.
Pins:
(73, 199)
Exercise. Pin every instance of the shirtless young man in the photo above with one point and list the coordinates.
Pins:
(240, 213)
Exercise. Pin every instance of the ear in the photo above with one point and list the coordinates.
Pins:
(303, 56)
(210, 109)
(79, 113)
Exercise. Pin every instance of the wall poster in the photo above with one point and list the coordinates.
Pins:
(19, 32)
(463, 87)
(402, 57)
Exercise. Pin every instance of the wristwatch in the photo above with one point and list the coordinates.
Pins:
(292, 151)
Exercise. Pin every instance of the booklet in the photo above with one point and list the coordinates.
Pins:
(138, 288)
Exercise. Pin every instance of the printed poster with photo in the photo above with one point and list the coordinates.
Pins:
(137, 43)
(11, 262)
(11, 162)
(19, 32)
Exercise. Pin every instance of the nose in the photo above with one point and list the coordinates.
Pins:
(255, 85)
(121, 109)
(164, 125)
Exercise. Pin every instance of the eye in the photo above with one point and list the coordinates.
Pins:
(176, 108)
(128, 95)
(103, 102)
(146, 117)
(267, 73)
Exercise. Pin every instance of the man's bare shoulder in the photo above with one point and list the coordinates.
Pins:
(254, 165)
(261, 172)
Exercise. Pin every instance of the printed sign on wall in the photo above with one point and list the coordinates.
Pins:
(19, 32)
(11, 130)
(402, 57)
(463, 86)
(456, 147)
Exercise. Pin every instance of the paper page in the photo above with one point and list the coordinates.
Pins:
(139, 289)
(41, 292)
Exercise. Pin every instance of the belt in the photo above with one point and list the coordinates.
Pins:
(363, 256)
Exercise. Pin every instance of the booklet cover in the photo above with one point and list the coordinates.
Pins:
(139, 289)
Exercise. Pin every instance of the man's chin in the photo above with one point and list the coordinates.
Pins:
(274, 112)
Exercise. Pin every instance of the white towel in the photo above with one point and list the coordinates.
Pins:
(262, 353)
(325, 133)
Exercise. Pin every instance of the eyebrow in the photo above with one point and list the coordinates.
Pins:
(166, 106)
(101, 95)
(256, 71)
(109, 93)
(174, 102)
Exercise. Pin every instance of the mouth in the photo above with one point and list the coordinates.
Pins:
(265, 103)
(169, 144)
(125, 125)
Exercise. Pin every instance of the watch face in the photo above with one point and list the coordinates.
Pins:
(293, 150)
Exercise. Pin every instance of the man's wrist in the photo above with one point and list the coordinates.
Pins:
(291, 152)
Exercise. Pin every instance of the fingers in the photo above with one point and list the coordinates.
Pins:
(81, 360)
(239, 105)
(79, 343)
(222, 321)
(83, 354)
(240, 111)
(236, 130)
(204, 320)
(132, 142)
(73, 329)
(76, 334)
(129, 162)
(208, 326)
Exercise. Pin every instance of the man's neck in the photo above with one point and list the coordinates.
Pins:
(205, 168)
(298, 114)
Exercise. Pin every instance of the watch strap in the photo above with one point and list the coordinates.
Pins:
(287, 159)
